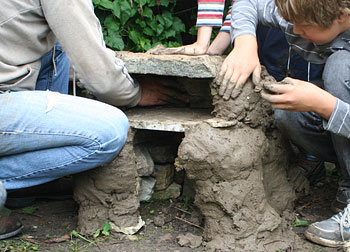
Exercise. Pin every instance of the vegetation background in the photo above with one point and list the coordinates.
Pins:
(138, 25)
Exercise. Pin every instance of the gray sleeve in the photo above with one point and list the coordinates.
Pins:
(247, 14)
(339, 122)
(79, 32)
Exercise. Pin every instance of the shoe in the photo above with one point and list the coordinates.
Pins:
(341, 200)
(9, 226)
(60, 189)
(313, 168)
(333, 232)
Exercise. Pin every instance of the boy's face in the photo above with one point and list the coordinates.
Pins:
(319, 35)
(316, 34)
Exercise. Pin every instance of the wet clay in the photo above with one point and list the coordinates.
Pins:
(109, 193)
(248, 107)
(240, 177)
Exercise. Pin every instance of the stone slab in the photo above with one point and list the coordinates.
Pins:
(166, 119)
(203, 66)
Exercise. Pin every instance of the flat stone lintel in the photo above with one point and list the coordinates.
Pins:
(203, 66)
(166, 119)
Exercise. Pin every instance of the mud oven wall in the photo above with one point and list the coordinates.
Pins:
(227, 151)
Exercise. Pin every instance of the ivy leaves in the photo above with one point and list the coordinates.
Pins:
(138, 25)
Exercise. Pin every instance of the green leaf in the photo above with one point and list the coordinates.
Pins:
(169, 34)
(160, 29)
(300, 223)
(125, 12)
(134, 36)
(29, 210)
(97, 233)
(107, 4)
(116, 9)
(168, 19)
(148, 31)
(106, 228)
(178, 25)
(145, 44)
(147, 12)
(151, 3)
(160, 20)
(164, 3)
(153, 25)
(111, 24)
(141, 23)
(76, 234)
(172, 44)
(115, 41)
(193, 30)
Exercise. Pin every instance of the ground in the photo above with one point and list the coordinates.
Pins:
(48, 225)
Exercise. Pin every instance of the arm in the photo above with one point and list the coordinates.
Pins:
(243, 59)
(209, 15)
(300, 96)
(78, 30)
(339, 121)
(297, 95)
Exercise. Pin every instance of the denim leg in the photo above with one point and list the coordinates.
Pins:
(305, 129)
(54, 77)
(2, 195)
(336, 78)
(46, 135)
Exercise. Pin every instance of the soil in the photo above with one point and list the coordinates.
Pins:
(49, 227)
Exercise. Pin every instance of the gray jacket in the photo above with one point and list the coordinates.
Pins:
(247, 14)
(30, 28)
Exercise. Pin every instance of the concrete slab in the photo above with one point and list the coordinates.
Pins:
(166, 119)
(203, 66)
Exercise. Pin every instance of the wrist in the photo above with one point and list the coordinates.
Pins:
(325, 104)
(203, 36)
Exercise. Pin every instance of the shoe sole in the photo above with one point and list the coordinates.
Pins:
(13, 233)
(322, 241)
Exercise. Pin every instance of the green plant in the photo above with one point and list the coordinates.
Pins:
(300, 223)
(138, 25)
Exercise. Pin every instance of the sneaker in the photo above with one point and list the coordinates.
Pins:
(333, 232)
(341, 200)
(9, 226)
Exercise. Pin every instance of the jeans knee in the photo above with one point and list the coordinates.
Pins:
(113, 133)
(281, 120)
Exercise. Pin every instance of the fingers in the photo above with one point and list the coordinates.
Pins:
(231, 84)
(277, 88)
(278, 101)
(229, 88)
(257, 75)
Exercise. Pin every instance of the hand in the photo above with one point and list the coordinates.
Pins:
(296, 95)
(159, 91)
(237, 67)
(192, 49)
(200, 47)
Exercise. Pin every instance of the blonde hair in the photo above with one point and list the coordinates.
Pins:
(315, 12)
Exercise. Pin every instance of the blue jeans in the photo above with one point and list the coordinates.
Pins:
(306, 130)
(54, 77)
(46, 135)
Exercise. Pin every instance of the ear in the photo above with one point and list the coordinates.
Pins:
(344, 15)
